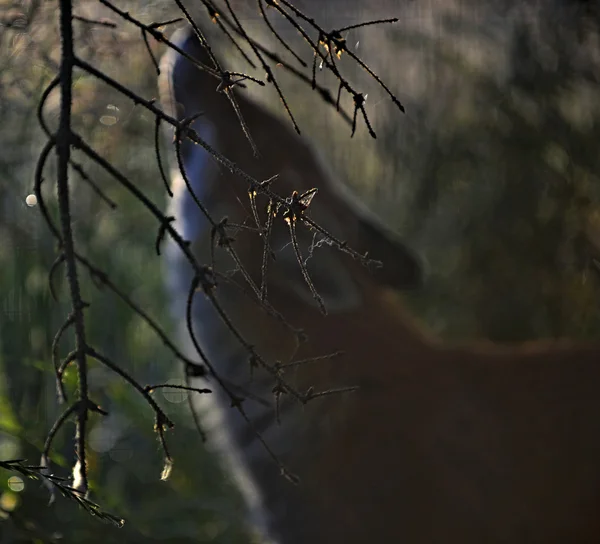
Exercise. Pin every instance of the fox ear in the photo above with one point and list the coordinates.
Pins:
(328, 268)
(401, 268)
(346, 216)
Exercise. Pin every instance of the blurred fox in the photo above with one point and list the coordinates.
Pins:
(463, 444)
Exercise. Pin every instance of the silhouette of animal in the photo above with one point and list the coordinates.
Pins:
(439, 444)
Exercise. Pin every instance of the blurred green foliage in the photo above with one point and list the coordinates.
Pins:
(511, 169)
(197, 504)
(492, 176)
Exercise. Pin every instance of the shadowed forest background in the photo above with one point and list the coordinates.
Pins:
(492, 176)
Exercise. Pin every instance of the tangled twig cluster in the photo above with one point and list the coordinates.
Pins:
(327, 48)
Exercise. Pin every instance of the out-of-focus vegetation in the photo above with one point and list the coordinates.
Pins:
(197, 503)
(492, 174)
